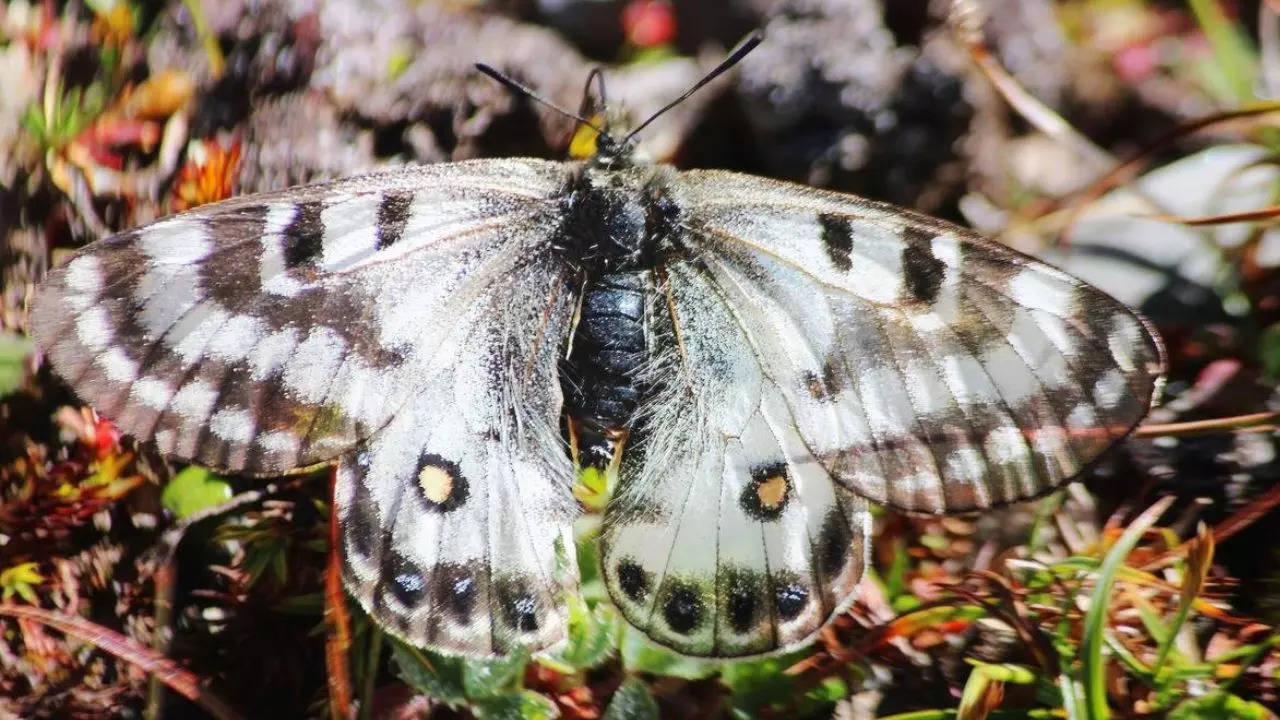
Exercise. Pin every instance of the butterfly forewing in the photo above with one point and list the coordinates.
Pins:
(274, 331)
(925, 367)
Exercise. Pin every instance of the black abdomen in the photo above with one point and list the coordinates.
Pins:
(609, 347)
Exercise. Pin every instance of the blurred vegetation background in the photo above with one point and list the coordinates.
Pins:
(1133, 142)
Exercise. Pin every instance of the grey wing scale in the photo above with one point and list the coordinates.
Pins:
(925, 366)
(409, 323)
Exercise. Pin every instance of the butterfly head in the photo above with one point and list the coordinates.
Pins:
(611, 152)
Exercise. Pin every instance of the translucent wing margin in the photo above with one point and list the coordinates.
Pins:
(926, 368)
(274, 331)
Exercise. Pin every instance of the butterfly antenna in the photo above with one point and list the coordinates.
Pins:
(748, 44)
(595, 76)
(520, 89)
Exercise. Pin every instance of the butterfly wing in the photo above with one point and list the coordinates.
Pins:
(725, 536)
(409, 322)
(818, 348)
(926, 367)
(457, 514)
(274, 331)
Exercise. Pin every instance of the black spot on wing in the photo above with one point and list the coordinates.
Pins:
(683, 608)
(231, 275)
(455, 590)
(837, 239)
(791, 599)
(742, 593)
(402, 578)
(766, 495)
(922, 273)
(303, 237)
(441, 484)
(834, 542)
(393, 215)
(633, 580)
(518, 606)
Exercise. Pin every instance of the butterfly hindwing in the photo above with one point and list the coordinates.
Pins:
(926, 367)
(456, 516)
(276, 330)
(725, 537)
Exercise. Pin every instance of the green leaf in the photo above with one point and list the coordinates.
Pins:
(757, 686)
(586, 533)
(895, 577)
(1233, 70)
(641, 655)
(980, 696)
(490, 678)
(194, 489)
(592, 488)
(1004, 672)
(1095, 620)
(20, 579)
(438, 676)
(14, 350)
(632, 701)
(523, 705)
(593, 634)
(1219, 705)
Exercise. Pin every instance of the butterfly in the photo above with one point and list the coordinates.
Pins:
(756, 360)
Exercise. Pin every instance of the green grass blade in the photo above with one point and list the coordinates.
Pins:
(1194, 574)
(1234, 67)
(1071, 701)
(1095, 621)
